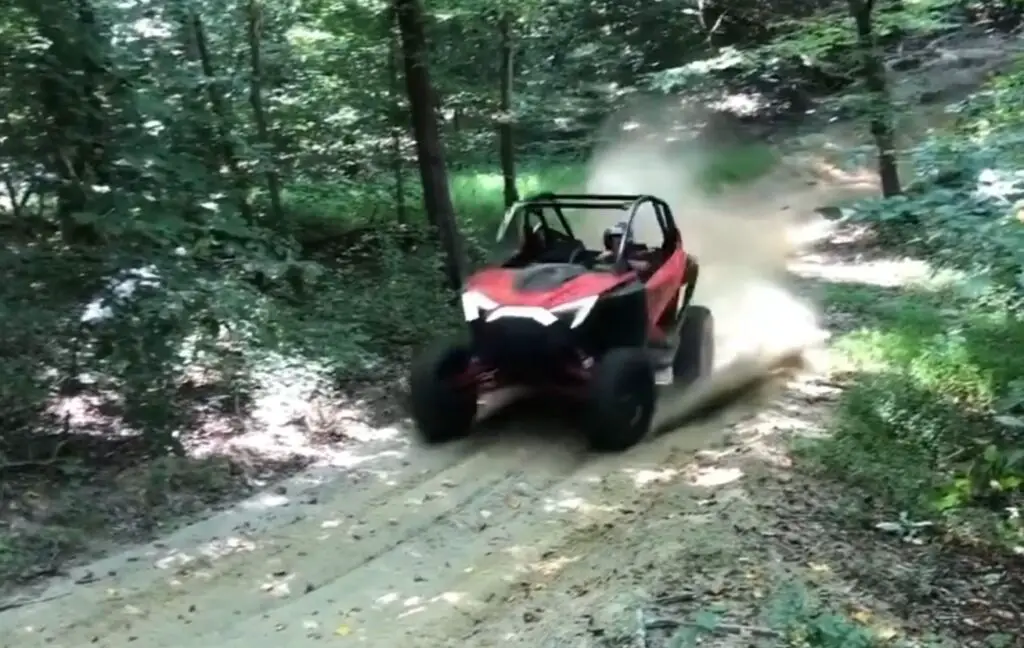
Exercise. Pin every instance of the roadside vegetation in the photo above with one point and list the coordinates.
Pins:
(206, 206)
(932, 420)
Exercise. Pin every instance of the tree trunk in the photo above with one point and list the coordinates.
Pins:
(220, 112)
(199, 131)
(73, 82)
(255, 20)
(395, 116)
(506, 144)
(873, 73)
(437, 200)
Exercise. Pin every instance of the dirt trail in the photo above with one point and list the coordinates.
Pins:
(408, 552)
(504, 539)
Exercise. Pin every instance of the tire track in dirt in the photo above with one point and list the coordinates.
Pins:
(459, 536)
(349, 528)
(412, 547)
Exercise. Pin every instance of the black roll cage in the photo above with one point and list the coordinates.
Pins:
(630, 203)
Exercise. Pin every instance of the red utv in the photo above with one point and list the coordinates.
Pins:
(597, 325)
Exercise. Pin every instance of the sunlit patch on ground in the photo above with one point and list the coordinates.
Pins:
(889, 273)
(645, 477)
(380, 535)
(711, 477)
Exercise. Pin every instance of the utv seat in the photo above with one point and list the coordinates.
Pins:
(561, 252)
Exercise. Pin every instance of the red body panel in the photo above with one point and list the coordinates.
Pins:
(498, 284)
(662, 289)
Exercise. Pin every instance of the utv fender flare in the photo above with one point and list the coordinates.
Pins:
(692, 273)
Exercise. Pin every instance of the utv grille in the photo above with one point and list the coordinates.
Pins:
(524, 350)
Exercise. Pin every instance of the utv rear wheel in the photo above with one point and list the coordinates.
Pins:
(443, 407)
(695, 355)
(621, 400)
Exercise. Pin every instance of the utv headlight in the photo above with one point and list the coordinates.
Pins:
(474, 304)
(581, 308)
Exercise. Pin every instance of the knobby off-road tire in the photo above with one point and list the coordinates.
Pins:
(442, 410)
(695, 356)
(621, 400)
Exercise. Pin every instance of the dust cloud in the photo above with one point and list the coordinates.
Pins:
(742, 238)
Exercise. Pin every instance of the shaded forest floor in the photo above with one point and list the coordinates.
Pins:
(779, 552)
(736, 541)
(722, 533)
(99, 492)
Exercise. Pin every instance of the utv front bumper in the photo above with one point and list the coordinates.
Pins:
(521, 350)
(537, 346)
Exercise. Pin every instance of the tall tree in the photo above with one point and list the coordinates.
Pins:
(221, 111)
(75, 84)
(396, 114)
(872, 70)
(254, 23)
(506, 144)
(437, 200)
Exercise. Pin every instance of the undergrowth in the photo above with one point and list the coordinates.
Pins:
(793, 617)
(932, 426)
(931, 423)
(164, 343)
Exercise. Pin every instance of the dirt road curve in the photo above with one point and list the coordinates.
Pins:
(455, 546)
(497, 541)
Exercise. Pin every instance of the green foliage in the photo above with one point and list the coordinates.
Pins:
(829, 37)
(963, 207)
(809, 53)
(930, 423)
(794, 618)
(737, 166)
(142, 147)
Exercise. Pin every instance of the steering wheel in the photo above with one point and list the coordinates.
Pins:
(575, 253)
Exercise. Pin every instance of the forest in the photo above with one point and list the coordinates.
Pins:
(203, 203)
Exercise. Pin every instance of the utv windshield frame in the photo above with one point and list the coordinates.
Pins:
(629, 203)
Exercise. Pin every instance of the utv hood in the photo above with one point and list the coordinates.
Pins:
(546, 285)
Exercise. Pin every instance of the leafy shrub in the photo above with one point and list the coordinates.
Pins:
(964, 206)
(931, 423)
(795, 618)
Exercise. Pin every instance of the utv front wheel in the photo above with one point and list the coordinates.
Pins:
(621, 400)
(443, 404)
(695, 355)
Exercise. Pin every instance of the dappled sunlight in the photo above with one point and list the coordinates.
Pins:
(422, 532)
(278, 586)
(265, 501)
(381, 531)
(711, 477)
(574, 503)
(292, 410)
(119, 291)
(551, 566)
(646, 477)
(263, 163)
(386, 530)
(886, 272)
(213, 550)
(531, 560)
